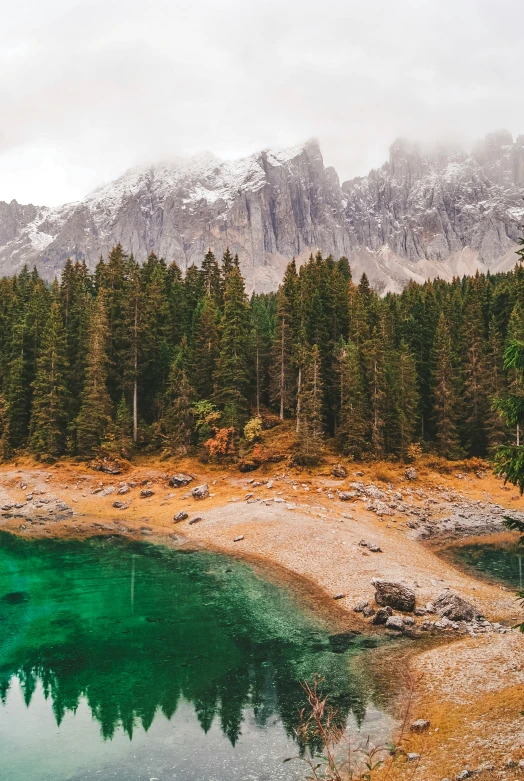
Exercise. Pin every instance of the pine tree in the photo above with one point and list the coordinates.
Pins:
(211, 276)
(123, 428)
(178, 418)
(354, 425)
(476, 403)
(310, 431)
(282, 373)
(50, 396)
(444, 393)
(94, 419)
(495, 383)
(232, 375)
(406, 400)
(206, 346)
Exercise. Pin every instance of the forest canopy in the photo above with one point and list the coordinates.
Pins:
(141, 358)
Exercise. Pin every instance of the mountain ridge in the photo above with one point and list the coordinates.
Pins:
(420, 215)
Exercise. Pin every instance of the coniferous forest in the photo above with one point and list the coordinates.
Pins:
(143, 359)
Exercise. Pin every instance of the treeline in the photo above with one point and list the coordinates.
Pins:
(139, 357)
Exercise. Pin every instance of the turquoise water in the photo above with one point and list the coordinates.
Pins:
(503, 562)
(128, 661)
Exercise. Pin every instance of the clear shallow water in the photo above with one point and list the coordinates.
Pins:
(503, 562)
(127, 661)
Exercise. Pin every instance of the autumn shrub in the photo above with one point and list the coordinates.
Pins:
(253, 430)
(222, 443)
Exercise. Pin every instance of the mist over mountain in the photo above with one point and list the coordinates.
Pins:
(422, 214)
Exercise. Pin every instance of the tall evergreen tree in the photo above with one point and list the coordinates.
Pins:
(50, 394)
(310, 430)
(444, 392)
(232, 376)
(94, 419)
(354, 425)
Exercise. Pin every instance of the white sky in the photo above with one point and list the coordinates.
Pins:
(88, 89)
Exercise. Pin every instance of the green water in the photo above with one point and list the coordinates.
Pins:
(500, 562)
(128, 661)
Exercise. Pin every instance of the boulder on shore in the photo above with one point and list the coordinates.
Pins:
(339, 471)
(455, 608)
(382, 615)
(200, 491)
(180, 479)
(396, 595)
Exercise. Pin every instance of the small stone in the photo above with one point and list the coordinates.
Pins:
(239, 538)
(180, 479)
(339, 596)
(360, 606)
(120, 505)
(509, 764)
(410, 473)
(346, 496)
(463, 775)
(382, 615)
(408, 621)
(200, 491)
(339, 471)
(374, 548)
(195, 520)
(420, 725)
(146, 493)
(123, 490)
(181, 516)
(412, 756)
(396, 623)
(368, 611)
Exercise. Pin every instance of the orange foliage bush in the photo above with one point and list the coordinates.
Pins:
(222, 443)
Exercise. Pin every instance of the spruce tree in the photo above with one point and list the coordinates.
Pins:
(354, 425)
(406, 400)
(310, 429)
(282, 371)
(50, 395)
(211, 276)
(232, 375)
(178, 419)
(206, 346)
(444, 392)
(94, 419)
(123, 428)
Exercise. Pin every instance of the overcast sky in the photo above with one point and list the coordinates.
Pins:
(89, 89)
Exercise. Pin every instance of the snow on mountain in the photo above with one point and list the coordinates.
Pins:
(420, 215)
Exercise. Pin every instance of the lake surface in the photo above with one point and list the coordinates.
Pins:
(503, 562)
(130, 662)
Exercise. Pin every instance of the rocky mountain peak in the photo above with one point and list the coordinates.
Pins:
(422, 214)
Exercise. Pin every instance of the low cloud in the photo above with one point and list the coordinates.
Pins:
(88, 89)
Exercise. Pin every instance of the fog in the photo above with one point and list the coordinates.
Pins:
(89, 89)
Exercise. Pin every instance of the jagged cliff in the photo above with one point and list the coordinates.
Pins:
(418, 216)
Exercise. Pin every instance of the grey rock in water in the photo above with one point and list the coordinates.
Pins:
(200, 491)
(421, 215)
(396, 595)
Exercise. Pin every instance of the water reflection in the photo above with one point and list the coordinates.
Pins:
(135, 632)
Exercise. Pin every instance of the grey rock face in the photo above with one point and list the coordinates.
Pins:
(396, 595)
(418, 216)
